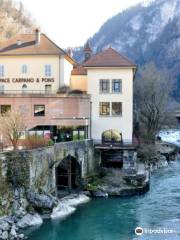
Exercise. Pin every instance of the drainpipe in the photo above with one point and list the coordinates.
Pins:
(90, 124)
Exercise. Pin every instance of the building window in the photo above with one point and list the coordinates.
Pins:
(48, 70)
(1, 89)
(116, 85)
(1, 71)
(24, 69)
(104, 108)
(48, 88)
(4, 109)
(116, 108)
(104, 86)
(39, 110)
(24, 88)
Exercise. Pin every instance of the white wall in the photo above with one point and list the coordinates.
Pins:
(67, 72)
(35, 69)
(61, 71)
(124, 123)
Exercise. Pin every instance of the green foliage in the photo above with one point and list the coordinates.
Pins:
(112, 135)
(93, 182)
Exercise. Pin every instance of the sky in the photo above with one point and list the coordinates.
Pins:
(71, 22)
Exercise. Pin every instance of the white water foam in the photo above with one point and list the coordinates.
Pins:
(67, 205)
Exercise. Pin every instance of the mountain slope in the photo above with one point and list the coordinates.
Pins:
(13, 19)
(145, 33)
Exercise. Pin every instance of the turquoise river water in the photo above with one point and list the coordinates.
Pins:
(116, 218)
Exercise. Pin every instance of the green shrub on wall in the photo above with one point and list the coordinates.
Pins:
(112, 135)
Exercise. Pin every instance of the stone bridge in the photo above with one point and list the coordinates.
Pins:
(37, 168)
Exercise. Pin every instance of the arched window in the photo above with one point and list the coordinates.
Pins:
(24, 88)
(24, 69)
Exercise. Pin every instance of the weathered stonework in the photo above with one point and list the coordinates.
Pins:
(35, 168)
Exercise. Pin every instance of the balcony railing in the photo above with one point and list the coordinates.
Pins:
(27, 92)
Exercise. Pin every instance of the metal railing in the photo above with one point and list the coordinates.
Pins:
(26, 92)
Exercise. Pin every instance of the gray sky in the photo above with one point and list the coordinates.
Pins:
(72, 22)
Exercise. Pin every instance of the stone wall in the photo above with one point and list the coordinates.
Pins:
(35, 168)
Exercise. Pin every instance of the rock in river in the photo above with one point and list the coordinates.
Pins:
(30, 220)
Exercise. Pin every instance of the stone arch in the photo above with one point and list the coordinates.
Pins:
(68, 173)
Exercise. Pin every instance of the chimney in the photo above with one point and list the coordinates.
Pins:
(70, 52)
(37, 36)
(19, 42)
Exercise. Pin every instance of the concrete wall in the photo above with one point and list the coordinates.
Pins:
(36, 168)
(124, 123)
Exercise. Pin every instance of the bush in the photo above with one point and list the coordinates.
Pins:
(34, 141)
(111, 135)
(147, 153)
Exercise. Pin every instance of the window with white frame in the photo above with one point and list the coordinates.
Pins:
(24, 69)
(1, 70)
(104, 108)
(116, 85)
(104, 86)
(116, 108)
(48, 70)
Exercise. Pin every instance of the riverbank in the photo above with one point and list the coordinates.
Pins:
(30, 208)
(116, 218)
(11, 228)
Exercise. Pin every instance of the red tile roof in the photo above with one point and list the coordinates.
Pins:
(28, 46)
(109, 58)
(79, 70)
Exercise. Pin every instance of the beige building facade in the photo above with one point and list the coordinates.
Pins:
(108, 78)
(33, 72)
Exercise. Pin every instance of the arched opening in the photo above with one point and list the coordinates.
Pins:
(68, 174)
(111, 136)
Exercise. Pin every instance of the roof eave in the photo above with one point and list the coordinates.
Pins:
(125, 66)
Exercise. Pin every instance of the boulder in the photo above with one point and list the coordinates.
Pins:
(21, 236)
(13, 232)
(62, 210)
(30, 220)
(4, 226)
(41, 200)
(5, 235)
(99, 193)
